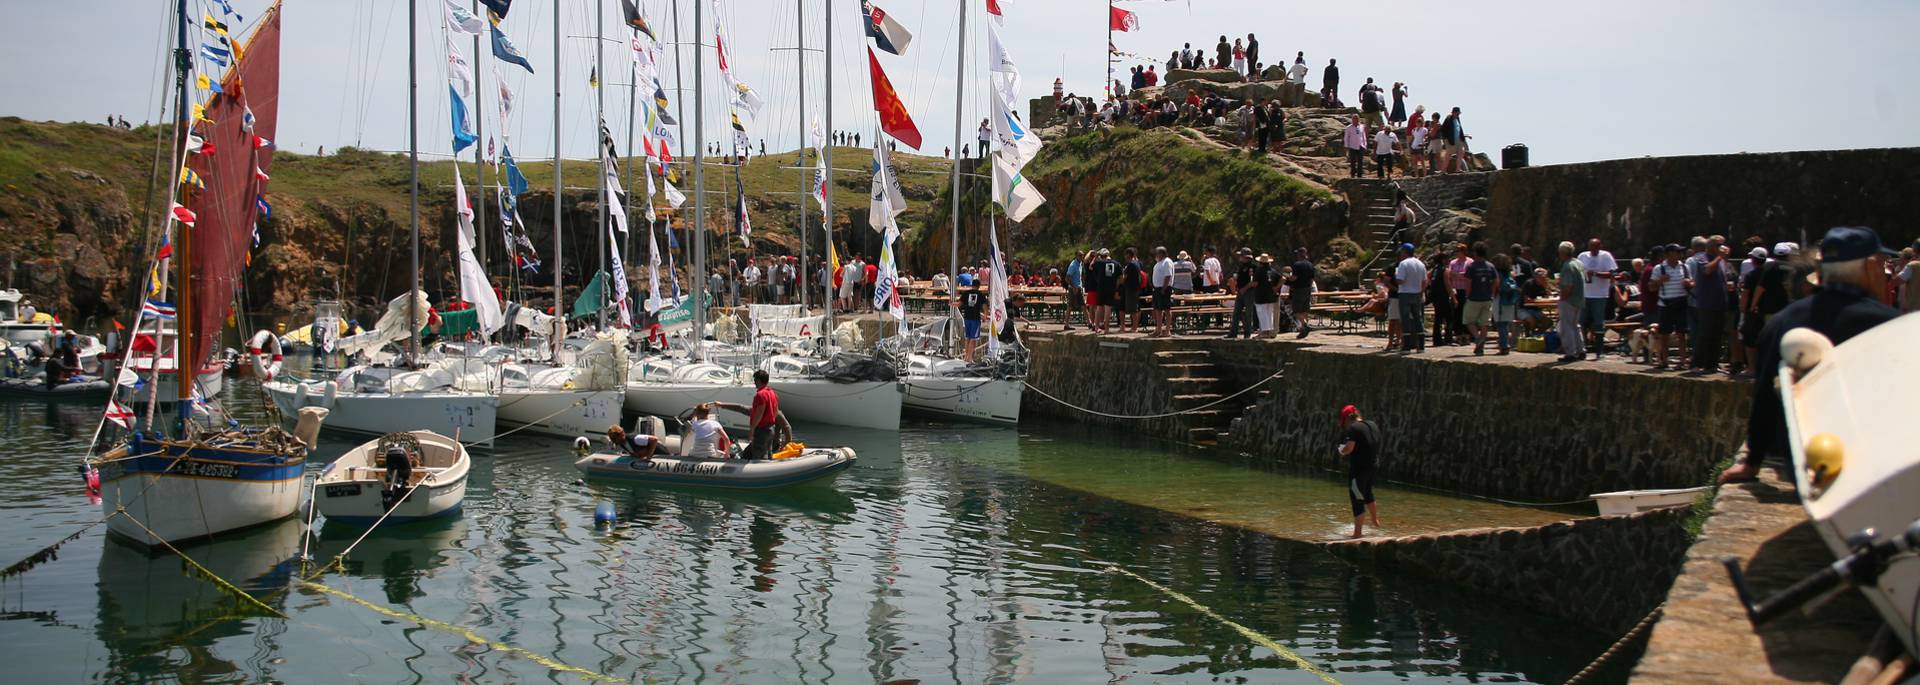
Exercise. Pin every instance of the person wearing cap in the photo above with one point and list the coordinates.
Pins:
(1669, 280)
(1742, 346)
(1853, 265)
(1409, 284)
(1241, 285)
(1360, 445)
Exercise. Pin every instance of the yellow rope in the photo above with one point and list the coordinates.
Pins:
(470, 636)
(1244, 631)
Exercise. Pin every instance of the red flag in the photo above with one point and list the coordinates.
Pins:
(1122, 20)
(184, 215)
(894, 118)
(666, 155)
(646, 144)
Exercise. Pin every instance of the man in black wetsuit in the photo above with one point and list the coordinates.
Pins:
(1360, 444)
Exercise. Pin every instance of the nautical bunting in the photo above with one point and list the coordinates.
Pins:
(460, 20)
(894, 118)
(886, 33)
(118, 413)
(155, 309)
(506, 52)
(183, 215)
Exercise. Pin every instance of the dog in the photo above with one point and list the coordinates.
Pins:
(1640, 343)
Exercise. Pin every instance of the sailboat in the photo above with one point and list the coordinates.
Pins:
(160, 488)
(665, 385)
(445, 395)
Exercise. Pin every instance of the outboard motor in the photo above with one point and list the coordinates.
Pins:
(399, 474)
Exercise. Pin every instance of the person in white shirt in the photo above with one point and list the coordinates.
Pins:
(1299, 73)
(1410, 283)
(706, 438)
(1383, 144)
(1416, 142)
(986, 134)
(940, 281)
(1670, 276)
(751, 275)
(1162, 282)
(1355, 139)
(1599, 292)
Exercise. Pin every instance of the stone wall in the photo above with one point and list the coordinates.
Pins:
(1605, 573)
(1506, 430)
(1450, 191)
(1636, 203)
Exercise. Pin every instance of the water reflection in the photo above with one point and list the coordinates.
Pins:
(949, 554)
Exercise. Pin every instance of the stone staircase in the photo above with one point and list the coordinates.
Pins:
(1196, 382)
(1370, 218)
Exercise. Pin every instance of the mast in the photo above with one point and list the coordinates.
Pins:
(183, 248)
(679, 114)
(600, 116)
(698, 231)
(827, 160)
(1108, 55)
(800, 50)
(559, 258)
(413, 188)
(479, 162)
(959, 122)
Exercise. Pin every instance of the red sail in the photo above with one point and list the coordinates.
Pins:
(228, 206)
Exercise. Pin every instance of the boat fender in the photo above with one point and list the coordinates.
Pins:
(300, 395)
(264, 348)
(581, 446)
(603, 514)
(332, 393)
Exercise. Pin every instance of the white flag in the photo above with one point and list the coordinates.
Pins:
(459, 20)
(1012, 191)
(887, 201)
(997, 283)
(473, 277)
(886, 278)
(997, 59)
(674, 197)
(459, 71)
(506, 104)
(654, 301)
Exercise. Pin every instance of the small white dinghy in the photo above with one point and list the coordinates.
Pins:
(357, 489)
(788, 467)
(1636, 501)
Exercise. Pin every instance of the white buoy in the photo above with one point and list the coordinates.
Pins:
(1803, 348)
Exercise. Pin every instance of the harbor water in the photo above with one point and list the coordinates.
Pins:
(948, 554)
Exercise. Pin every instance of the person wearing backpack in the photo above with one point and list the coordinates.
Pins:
(1360, 445)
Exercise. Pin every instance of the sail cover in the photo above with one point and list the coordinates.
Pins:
(243, 117)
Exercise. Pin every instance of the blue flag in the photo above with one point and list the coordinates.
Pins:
(210, 57)
(462, 131)
(497, 7)
(506, 52)
(516, 183)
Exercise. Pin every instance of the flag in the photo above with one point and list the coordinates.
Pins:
(208, 22)
(886, 297)
(214, 55)
(166, 249)
(266, 210)
(993, 12)
(459, 71)
(259, 142)
(1122, 20)
(675, 198)
(660, 104)
(886, 201)
(498, 8)
(886, 33)
(183, 215)
(261, 176)
(246, 118)
(462, 131)
(1018, 143)
(741, 142)
(516, 182)
(205, 83)
(745, 98)
(473, 277)
(741, 223)
(155, 309)
(996, 288)
(188, 178)
(998, 61)
(505, 51)
(894, 118)
(506, 104)
(118, 413)
(462, 21)
(639, 23)
(1012, 190)
(200, 113)
(654, 301)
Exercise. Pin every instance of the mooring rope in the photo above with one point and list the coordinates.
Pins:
(1190, 410)
(468, 634)
(1244, 631)
(1638, 628)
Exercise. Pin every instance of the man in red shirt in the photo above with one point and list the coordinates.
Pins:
(766, 406)
(866, 286)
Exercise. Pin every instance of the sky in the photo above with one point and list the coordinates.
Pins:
(1574, 81)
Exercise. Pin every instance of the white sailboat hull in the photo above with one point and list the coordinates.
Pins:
(170, 500)
(565, 413)
(866, 404)
(468, 416)
(967, 399)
